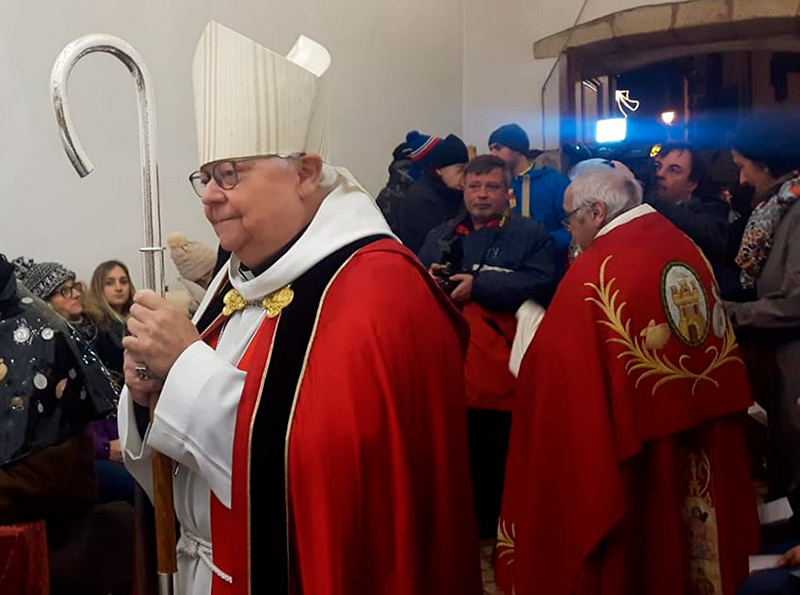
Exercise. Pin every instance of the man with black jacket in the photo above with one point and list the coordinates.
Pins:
(490, 261)
(438, 193)
(679, 195)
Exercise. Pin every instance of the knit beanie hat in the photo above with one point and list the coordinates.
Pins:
(449, 151)
(421, 145)
(192, 259)
(511, 136)
(42, 279)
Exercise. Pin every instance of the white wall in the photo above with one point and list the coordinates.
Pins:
(463, 66)
(395, 67)
(502, 81)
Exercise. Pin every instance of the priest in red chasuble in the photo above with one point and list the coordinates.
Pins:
(627, 471)
(316, 412)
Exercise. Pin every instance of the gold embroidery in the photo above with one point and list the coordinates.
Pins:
(699, 516)
(696, 474)
(506, 542)
(655, 335)
(645, 359)
(273, 303)
(277, 301)
(234, 302)
(685, 297)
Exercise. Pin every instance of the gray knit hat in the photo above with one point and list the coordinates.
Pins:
(42, 279)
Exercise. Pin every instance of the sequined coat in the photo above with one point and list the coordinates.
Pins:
(51, 383)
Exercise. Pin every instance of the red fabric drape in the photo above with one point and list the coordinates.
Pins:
(23, 559)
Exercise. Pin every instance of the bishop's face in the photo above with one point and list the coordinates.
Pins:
(266, 208)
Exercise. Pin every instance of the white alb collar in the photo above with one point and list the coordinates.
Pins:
(626, 217)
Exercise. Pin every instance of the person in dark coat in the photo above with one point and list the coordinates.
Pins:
(52, 385)
(401, 178)
(490, 261)
(56, 286)
(438, 194)
(683, 195)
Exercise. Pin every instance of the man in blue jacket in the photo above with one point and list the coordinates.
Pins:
(539, 193)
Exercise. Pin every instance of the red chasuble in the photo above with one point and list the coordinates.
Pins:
(377, 497)
(627, 470)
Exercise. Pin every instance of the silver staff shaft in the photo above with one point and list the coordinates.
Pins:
(152, 252)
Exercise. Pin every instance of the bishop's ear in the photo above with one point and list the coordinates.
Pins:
(309, 168)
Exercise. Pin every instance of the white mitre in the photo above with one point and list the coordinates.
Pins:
(250, 101)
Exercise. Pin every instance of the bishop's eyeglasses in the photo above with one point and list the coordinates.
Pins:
(224, 173)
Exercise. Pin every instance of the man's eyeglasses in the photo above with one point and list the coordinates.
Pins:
(224, 173)
(565, 222)
(66, 291)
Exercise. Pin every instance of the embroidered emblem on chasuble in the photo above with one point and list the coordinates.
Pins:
(685, 303)
(697, 511)
(686, 309)
(699, 516)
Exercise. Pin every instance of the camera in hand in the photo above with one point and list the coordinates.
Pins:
(452, 263)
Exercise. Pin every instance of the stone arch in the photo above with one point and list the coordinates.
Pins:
(631, 38)
(644, 35)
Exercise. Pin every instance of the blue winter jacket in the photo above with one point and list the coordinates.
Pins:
(512, 262)
(547, 188)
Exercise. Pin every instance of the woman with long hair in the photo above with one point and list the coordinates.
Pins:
(110, 294)
(108, 301)
(764, 150)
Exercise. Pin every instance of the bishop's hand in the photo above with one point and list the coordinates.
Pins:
(141, 385)
(159, 333)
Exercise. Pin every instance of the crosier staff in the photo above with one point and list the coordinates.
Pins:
(152, 251)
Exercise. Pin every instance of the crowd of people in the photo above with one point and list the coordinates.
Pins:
(66, 466)
(502, 276)
(546, 364)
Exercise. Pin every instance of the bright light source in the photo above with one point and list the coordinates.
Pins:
(611, 130)
(668, 117)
